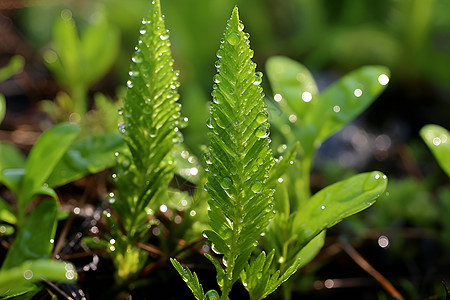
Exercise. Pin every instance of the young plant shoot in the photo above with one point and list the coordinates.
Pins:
(149, 117)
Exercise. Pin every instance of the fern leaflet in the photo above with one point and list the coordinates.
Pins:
(239, 157)
(149, 127)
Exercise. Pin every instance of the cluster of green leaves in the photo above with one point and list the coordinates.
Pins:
(241, 178)
(77, 62)
(52, 161)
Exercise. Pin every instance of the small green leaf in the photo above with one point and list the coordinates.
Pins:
(20, 278)
(336, 202)
(14, 66)
(11, 158)
(293, 83)
(33, 239)
(311, 249)
(190, 279)
(88, 156)
(6, 213)
(437, 139)
(43, 157)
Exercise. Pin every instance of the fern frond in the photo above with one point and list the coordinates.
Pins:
(190, 278)
(239, 157)
(149, 115)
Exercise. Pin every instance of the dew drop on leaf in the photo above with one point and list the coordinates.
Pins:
(257, 187)
(233, 38)
(218, 64)
(217, 78)
(212, 295)
(262, 132)
(209, 123)
(226, 182)
(261, 117)
(258, 78)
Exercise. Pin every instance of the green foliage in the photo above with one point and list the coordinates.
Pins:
(314, 117)
(31, 250)
(14, 66)
(78, 62)
(150, 120)
(190, 279)
(437, 139)
(239, 157)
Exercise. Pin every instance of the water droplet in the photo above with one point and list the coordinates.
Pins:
(209, 123)
(142, 31)
(336, 108)
(262, 132)
(217, 78)
(306, 96)
(129, 84)
(292, 118)
(240, 26)
(261, 117)
(226, 182)
(257, 187)
(258, 78)
(383, 79)
(218, 64)
(357, 93)
(211, 295)
(164, 37)
(233, 38)
(137, 57)
(322, 207)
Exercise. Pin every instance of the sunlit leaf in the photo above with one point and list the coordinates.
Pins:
(21, 278)
(437, 139)
(336, 202)
(84, 157)
(190, 279)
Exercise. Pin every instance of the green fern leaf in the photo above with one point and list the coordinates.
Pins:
(239, 158)
(149, 127)
(190, 278)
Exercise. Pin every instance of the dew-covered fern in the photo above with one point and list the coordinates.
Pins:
(239, 157)
(238, 162)
(149, 127)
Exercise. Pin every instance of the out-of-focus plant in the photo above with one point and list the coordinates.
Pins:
(14, 66)
(77, 62)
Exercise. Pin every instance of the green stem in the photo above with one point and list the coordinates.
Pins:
(79, 97)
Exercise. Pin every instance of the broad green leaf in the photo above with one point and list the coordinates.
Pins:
(33, 240)
(293, 83)
(336, 202)
(20, 279)
(437, 139)
(11, 157)
(190, 279)
(84, 157)
(43, 157)
(311, 249)
(239, 157)
(341, 102)
(14, 66)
